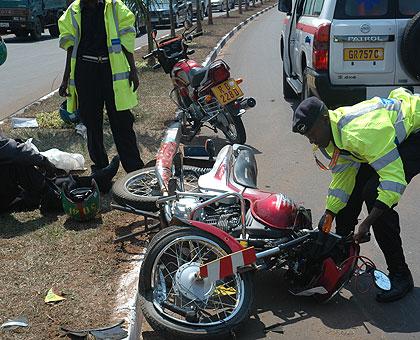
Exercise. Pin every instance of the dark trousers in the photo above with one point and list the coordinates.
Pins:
(94, 87)
(21, 181)
(387, 227)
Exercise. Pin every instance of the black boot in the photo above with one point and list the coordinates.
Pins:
(401, 284)
(103, 177)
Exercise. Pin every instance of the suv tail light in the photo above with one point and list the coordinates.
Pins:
(219, 72)
(321, 47)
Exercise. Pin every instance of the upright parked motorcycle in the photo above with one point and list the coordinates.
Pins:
(204, 95)
(196, 278)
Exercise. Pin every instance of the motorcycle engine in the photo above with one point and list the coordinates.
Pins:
(223, 216)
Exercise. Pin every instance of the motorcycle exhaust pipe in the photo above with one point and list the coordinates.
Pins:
(281, 247)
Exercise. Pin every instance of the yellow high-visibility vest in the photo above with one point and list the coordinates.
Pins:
(370, 132)
(120, 31)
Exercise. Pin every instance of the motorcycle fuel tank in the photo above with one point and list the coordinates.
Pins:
(182, 69)
(275, 210)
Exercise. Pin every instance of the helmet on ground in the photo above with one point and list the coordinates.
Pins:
(3, 51)
(81, 198)
(68, 117)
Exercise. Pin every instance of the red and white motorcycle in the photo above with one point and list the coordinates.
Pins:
(196, 279)
(205, 95)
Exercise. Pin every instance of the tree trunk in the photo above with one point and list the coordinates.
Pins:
(227, 8)
(210, 13)
(253, 3)
(172, 18)
(240, 6)
(198, 15)
(246, 5)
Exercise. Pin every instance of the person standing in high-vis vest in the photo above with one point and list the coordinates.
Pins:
(373, 153)
(99, 36)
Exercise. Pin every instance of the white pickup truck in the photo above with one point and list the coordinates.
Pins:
(345, 51)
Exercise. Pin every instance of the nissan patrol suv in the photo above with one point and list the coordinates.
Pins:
(346, 51)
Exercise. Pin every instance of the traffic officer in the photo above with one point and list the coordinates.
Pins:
(372, 149)
(99, 38)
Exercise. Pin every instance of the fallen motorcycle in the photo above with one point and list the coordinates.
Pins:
(196, 279)
(205, 95)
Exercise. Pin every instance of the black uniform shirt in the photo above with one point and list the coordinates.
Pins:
(93, 38)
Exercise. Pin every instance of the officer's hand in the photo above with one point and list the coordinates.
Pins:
(362, 235)
(49, 168)
(325, 223)
(133, 80)
(62, 91)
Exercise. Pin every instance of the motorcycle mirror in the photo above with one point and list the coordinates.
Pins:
(210, 148)
(381, 280)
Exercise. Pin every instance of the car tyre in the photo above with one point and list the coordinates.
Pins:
(410, 47)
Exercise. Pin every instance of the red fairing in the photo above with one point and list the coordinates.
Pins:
(230, 241)
(275, 210)
(181, 71)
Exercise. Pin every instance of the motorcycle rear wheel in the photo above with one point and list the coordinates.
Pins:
(223, 305)
(140, 189)
(235, 131)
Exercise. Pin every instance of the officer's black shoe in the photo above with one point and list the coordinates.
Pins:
(401, 284)
(103, 177)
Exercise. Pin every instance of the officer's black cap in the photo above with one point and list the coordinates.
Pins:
(307, 113)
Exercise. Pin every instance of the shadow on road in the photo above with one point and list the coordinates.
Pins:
(26, 40)
(275, 309)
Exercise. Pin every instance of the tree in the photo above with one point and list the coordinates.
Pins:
(198, 15)
(240, 6)
(227, 8)
(210, 13)
(172, 17)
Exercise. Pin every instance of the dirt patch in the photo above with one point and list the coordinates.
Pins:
(79, 259)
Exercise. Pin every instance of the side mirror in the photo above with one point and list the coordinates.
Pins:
(285, 6)
(381, 280)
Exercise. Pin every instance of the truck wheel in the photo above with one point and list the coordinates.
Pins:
(54, 31)
(21, 34)
(288, 91)
(410, 48)
(36, 33)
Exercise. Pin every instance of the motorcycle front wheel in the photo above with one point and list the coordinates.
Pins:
(232, 127)
(140, 189)
(178, 305)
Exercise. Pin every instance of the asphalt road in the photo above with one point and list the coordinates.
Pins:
(285, 164)
(34, 69)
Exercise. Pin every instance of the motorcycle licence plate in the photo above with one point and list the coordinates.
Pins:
(227, 92)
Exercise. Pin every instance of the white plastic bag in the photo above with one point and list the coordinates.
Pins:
(64, 160)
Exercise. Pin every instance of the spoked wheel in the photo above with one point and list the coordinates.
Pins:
(232, 127)
(177, 303)
(140, 189)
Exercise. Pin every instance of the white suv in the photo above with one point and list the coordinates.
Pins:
(345, 51)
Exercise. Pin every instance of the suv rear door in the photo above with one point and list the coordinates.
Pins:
(363, 43)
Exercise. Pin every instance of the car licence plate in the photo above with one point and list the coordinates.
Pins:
(227, 91)
(364, 54)
(4, 24)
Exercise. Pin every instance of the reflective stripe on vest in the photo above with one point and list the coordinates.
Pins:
(65, 39)
(348, 117)
(386, 159)
(344, 167)
(76, 40)
(340, 194)
(120, 76)
(127, 30)
(400, 131)
(392, 186)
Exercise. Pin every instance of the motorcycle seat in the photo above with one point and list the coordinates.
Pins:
(197, 75)
(245, 169)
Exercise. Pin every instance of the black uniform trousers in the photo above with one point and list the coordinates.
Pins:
(94, 87)
(21, 181)
(387, 227)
